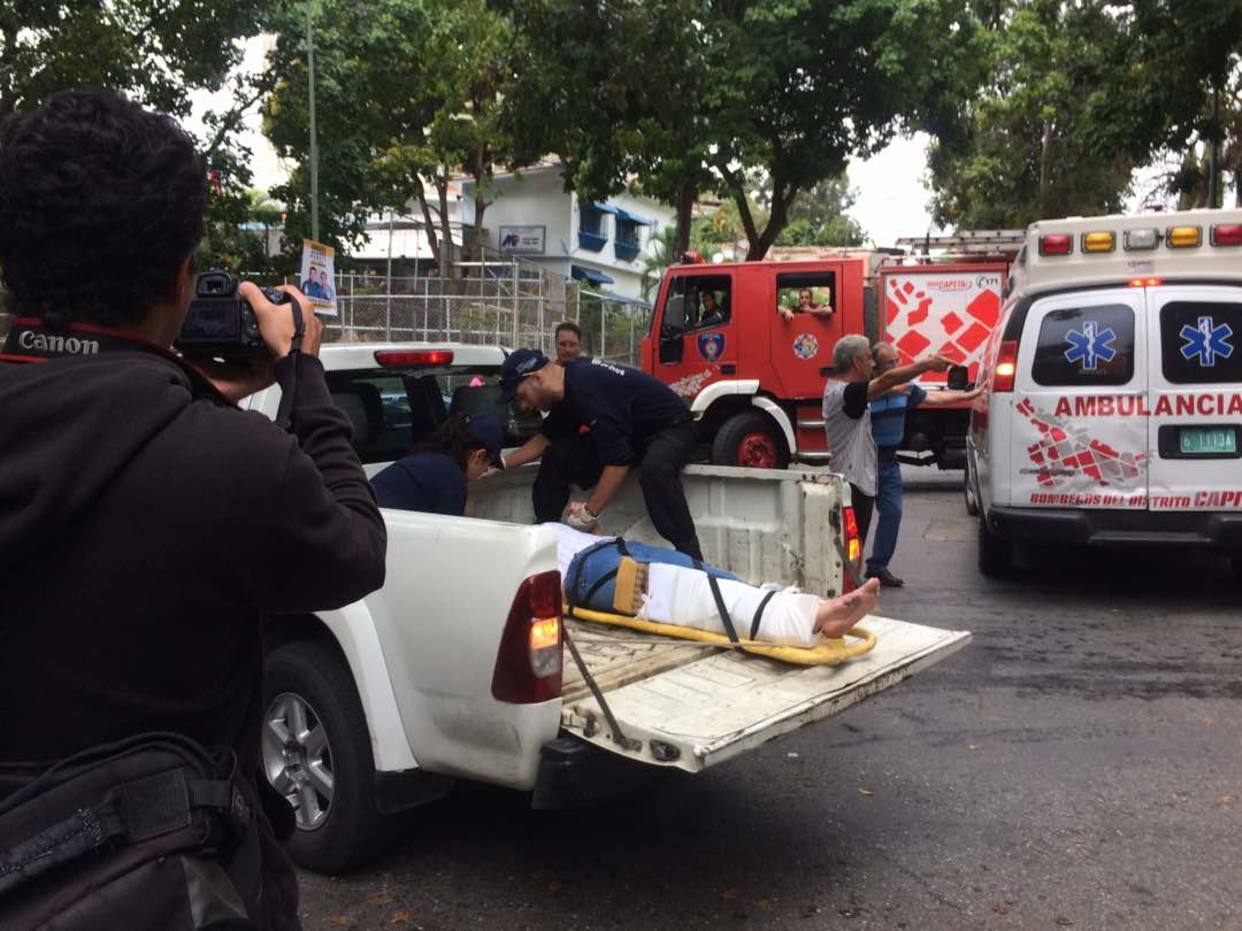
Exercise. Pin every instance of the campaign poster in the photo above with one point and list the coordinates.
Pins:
(318, 278)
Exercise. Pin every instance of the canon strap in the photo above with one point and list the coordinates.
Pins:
(289, 392)
(33, 339)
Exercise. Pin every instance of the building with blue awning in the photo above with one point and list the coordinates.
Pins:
(601, 244)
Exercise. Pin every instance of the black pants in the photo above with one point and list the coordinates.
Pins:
(575, 462)
(864, 504)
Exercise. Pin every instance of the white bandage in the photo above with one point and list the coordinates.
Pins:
(581, 518)
(676, 595)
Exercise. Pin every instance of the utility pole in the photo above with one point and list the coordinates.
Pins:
(314, 142)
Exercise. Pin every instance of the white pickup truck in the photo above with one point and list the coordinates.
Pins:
(444, 673)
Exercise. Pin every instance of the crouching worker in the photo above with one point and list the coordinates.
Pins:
(667, 587)
(434, 476)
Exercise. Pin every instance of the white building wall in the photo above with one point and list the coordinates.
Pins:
(536, 197)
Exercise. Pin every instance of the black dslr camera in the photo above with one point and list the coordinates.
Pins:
(220, 322)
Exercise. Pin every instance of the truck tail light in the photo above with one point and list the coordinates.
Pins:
(413, 358)
(853, 548)
(1006, 366)
(528, 663)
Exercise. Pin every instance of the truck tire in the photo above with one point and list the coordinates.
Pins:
(995, 553)
(317, 753)
(750, 440)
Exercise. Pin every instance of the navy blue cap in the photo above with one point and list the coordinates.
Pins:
(517, 365)
(485, 430)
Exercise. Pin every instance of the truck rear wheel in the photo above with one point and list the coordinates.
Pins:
(750, 440)
(317, 754)
(968, 490)
(995, 553)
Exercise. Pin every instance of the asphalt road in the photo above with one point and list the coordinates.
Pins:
(1079, 765)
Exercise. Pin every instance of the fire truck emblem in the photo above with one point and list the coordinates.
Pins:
(1091, 346)
(1207, 342)
(805, 346)
(711, 346)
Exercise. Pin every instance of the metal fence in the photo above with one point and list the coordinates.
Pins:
(511, 303)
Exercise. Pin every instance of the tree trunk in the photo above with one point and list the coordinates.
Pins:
(1045, 169)
(433, 240)
(446, 232)
(478, 169)
(687, 193)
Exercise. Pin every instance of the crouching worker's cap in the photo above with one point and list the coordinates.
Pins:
(517, 365)
(485, 431)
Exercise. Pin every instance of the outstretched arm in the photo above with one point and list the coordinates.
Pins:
(939, 398)
(899, 376)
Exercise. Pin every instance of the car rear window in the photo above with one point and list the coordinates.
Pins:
(1199, 342)
(393, 411)
(1085, 346)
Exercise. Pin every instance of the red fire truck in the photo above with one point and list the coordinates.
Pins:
(749, 344)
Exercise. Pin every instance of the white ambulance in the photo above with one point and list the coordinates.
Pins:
(1113, 406)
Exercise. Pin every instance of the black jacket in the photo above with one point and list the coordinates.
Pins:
(144, 532)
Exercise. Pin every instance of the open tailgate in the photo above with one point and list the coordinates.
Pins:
(690, 707)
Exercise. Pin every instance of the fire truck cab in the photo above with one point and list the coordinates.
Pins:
(752, 375)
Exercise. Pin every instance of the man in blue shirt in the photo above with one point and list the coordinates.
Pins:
(635, 421)
(888, 427)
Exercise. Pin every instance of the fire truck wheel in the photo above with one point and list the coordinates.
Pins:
(750, 440)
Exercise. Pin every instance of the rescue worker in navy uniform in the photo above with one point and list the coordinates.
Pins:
(635, 421)
(434, 477)
(147, 525)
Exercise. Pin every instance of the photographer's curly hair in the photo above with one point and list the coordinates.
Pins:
(100, 202)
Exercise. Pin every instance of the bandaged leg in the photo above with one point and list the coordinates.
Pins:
(679, 596)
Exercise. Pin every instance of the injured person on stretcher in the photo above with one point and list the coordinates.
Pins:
(663, 585)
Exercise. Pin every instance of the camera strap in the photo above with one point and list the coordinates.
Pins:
(289, 391)
(34, 339)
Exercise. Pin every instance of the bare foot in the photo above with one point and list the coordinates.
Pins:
(837, 615)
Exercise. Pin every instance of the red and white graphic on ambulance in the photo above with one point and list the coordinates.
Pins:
(1064, 451)
(958, 332)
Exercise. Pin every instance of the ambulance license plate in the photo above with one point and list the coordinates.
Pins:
(1208, 441)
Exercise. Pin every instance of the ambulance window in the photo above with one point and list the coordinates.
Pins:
(806, 291)
(1199, 342)
(1085, 346)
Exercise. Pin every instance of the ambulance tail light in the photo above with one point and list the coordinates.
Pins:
(1184, 237)
(528, 663)
(1058, 244)
(853, 548)
(1146, 282)
(1227, 234)
(413, 358)
(1006, 366)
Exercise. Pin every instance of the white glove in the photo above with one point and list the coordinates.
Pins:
(580, 517)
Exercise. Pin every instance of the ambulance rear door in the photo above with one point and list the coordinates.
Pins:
(1195, 427)
(1079, 431)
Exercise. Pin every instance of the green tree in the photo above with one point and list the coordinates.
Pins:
(1025, 154)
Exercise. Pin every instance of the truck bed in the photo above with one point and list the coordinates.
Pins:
(692, 707)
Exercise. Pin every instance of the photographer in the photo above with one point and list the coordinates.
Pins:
(147, 524)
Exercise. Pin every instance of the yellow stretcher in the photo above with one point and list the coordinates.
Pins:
(629, 581)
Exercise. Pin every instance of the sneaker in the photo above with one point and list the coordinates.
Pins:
(887, 579)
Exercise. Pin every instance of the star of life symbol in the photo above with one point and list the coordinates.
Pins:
(1207, 342)
(1091, 346)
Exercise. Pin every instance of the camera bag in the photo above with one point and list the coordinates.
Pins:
(149, 832)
